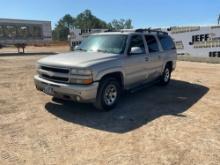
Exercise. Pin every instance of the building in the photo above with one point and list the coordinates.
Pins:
(196, 41)
(23, 32)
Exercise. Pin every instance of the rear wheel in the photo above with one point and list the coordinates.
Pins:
(108, 94)
(165, 78)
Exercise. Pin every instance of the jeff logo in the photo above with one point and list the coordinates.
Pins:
(200, 38)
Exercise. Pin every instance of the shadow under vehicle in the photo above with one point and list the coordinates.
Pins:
(135, 109)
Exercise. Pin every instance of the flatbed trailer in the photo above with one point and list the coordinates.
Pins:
(24, 32)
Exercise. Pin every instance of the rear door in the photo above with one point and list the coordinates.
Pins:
(155, 61)
(169, 49)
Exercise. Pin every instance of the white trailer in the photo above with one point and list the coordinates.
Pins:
(77, 35)
(23, 32)
(196, 41)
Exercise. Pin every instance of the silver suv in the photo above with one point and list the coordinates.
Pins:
(105, 64)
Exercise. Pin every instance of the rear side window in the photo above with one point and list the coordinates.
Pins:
(152, 44)
(166, 42)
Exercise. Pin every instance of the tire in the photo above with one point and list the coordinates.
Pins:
(108, 94)
(165, 78)
(58, 100)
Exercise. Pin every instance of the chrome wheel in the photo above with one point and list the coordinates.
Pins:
(110, 94)
(166, 75)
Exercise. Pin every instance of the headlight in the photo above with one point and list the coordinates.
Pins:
(80, 72)
(81, 76)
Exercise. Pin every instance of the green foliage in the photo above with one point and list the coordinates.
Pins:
(86, 20)
(121, 24)
(61, 30)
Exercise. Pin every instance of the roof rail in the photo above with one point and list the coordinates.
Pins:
(110, 30)
(120, 30)
(149, 30)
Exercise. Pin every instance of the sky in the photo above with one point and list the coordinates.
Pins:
(144, 13)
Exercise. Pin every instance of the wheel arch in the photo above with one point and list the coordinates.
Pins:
(118, 75)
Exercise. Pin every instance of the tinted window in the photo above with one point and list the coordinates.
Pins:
(137, 41)
(166, 42)
(1, 31)
(152, 44)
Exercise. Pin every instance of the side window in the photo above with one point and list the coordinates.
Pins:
(166, 42)
(152, 44)
(1, 32)
(136, 45)
(23, 31)
(10, 31)
(36, 31)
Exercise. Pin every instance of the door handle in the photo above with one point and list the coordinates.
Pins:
(146, 59)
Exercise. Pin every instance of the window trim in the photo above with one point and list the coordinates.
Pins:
(174, 46)
(129, 45)
(157, 41)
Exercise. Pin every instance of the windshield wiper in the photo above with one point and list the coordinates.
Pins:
(103, 51)
(80, 49)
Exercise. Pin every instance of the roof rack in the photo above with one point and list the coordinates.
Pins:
(120, 30)
(149, 30)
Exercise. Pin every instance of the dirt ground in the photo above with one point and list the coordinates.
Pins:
(7, 51)
(177, 124)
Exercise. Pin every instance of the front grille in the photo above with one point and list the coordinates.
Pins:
(58, 70)
(54, 74)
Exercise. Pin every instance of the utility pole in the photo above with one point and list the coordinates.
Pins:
(219, 19)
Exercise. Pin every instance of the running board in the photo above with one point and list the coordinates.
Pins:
(143, 86)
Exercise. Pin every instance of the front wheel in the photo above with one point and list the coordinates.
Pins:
(108, 94)
(165, 78)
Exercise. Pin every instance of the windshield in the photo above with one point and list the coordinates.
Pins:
(104, 43)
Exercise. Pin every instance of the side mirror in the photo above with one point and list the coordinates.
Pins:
(76, 47)
(136, 50)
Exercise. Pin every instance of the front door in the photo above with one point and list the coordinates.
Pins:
(135, 62)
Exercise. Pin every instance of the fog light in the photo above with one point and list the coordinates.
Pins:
(78, 98)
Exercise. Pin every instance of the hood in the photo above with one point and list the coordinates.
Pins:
(77, 59)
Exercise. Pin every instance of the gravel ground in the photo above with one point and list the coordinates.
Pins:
(177, 124)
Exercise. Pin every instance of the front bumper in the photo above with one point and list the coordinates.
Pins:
(79, 93)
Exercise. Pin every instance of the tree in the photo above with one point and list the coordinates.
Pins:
(121, 24)
(67, 21)
(86, 20)
(61, 30)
